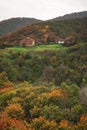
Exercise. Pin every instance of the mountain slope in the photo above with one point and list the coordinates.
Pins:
(13, 24)
(46, 31)
(72, 16)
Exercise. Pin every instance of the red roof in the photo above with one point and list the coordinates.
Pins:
(27, 41)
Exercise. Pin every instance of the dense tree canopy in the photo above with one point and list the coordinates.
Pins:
(44, 90)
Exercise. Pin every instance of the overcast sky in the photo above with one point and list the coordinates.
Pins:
(40, 9)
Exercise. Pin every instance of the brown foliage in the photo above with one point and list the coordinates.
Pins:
(15, 111)
(56, 93)
(64, 124)
(7, 123)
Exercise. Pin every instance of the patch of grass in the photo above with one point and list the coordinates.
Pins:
(36, 48)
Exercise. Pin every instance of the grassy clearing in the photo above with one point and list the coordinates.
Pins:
(36, 48)
(40, 48)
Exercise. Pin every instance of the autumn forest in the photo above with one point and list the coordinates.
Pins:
(44, 87)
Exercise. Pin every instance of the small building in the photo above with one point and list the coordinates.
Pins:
(60, 40)
(27, 41)
(69, 40)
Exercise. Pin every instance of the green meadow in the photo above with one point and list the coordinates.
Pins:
(36, 48)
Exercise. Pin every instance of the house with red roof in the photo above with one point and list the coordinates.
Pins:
(27, 41)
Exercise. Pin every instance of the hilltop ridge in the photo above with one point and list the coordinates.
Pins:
(13, 24)
(72, 16)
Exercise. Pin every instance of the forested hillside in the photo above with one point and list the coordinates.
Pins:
(72, 16)
(11, 25)
(65, 64)
(47, 31)
(43, 89)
